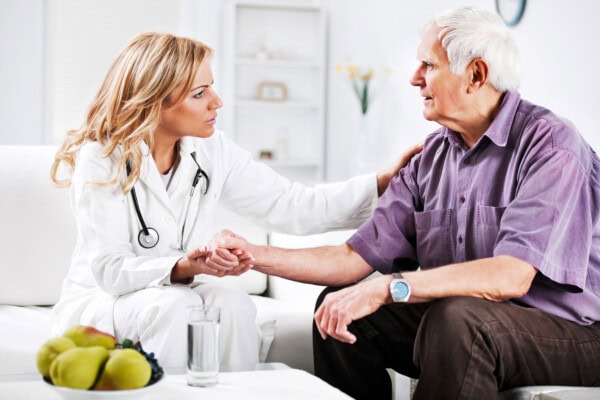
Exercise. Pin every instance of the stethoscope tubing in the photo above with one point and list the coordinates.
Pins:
(148, 237)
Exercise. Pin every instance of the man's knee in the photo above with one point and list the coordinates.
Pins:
(452, 312)
(454, 319)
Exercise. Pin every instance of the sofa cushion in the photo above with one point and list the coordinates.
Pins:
(38, 232)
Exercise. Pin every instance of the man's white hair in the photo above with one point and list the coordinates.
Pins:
(472, 32)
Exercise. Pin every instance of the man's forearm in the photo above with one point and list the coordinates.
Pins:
(328, 265)
(496, 278)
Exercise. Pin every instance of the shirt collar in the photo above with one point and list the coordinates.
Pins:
(499, 130)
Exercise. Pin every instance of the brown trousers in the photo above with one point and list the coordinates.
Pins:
(459, 348)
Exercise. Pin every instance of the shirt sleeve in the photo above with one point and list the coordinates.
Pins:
(387, 240)
(255, 191)
(548, 224)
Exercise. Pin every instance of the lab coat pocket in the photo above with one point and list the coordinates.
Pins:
(434, 243)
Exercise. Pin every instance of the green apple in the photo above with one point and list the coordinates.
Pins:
(49, 351)
(78, 368)
(125, 369)
(85, 336)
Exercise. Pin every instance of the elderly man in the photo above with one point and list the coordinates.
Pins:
(488, 241)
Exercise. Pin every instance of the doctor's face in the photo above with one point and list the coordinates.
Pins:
(196, 115)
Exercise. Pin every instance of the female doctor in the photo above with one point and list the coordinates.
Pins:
(147, 170)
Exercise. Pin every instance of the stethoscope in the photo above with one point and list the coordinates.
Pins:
(148, 236)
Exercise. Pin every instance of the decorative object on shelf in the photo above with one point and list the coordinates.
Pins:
(265, 155)
(281, 143)
(272, 91)
(261, 54)
(361, 80)
(511, 11)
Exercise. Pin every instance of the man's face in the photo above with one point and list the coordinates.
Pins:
(443, 91)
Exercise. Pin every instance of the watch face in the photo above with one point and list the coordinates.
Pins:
(400, 290)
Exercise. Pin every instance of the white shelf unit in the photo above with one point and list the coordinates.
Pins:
(281, 42)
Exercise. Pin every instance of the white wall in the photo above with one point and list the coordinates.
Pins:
(22, 69)
(558, 42)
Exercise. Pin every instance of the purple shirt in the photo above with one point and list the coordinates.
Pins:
(529, 188)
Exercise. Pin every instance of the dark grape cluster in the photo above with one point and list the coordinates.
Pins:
(157, 371)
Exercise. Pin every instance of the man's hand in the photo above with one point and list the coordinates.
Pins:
(340, 308)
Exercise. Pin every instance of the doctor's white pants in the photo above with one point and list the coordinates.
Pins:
(157, 317)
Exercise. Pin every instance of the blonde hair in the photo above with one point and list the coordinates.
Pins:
(127, 107)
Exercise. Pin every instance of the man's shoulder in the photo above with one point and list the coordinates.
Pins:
(540, 124)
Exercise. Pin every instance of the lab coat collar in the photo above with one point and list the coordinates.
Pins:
(181, 182)
(182, 178)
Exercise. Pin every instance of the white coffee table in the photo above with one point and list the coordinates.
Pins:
(264, 382)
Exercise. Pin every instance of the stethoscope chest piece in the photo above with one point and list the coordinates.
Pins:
(148, 237)
(148, 240)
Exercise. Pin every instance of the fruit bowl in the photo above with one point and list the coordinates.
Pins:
(80, 394)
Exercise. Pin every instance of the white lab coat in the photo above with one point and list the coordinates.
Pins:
(109, 262)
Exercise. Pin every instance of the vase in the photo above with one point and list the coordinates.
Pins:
(361, 162)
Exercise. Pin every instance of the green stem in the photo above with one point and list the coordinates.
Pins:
(365, 98)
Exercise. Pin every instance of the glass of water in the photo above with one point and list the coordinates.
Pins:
(203, 345)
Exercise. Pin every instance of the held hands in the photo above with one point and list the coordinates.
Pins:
(221, 258)
(217, 259)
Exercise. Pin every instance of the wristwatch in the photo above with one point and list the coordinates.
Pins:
(399, 289)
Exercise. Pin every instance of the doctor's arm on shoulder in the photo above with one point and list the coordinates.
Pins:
(385, 175)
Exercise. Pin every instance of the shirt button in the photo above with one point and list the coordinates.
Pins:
(460, 239)
(462, 198)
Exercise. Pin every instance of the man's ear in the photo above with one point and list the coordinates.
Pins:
(479, 71)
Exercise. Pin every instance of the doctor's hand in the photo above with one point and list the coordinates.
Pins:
(222, 253)
(339, 309)
(387, 174)
(210, 260)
